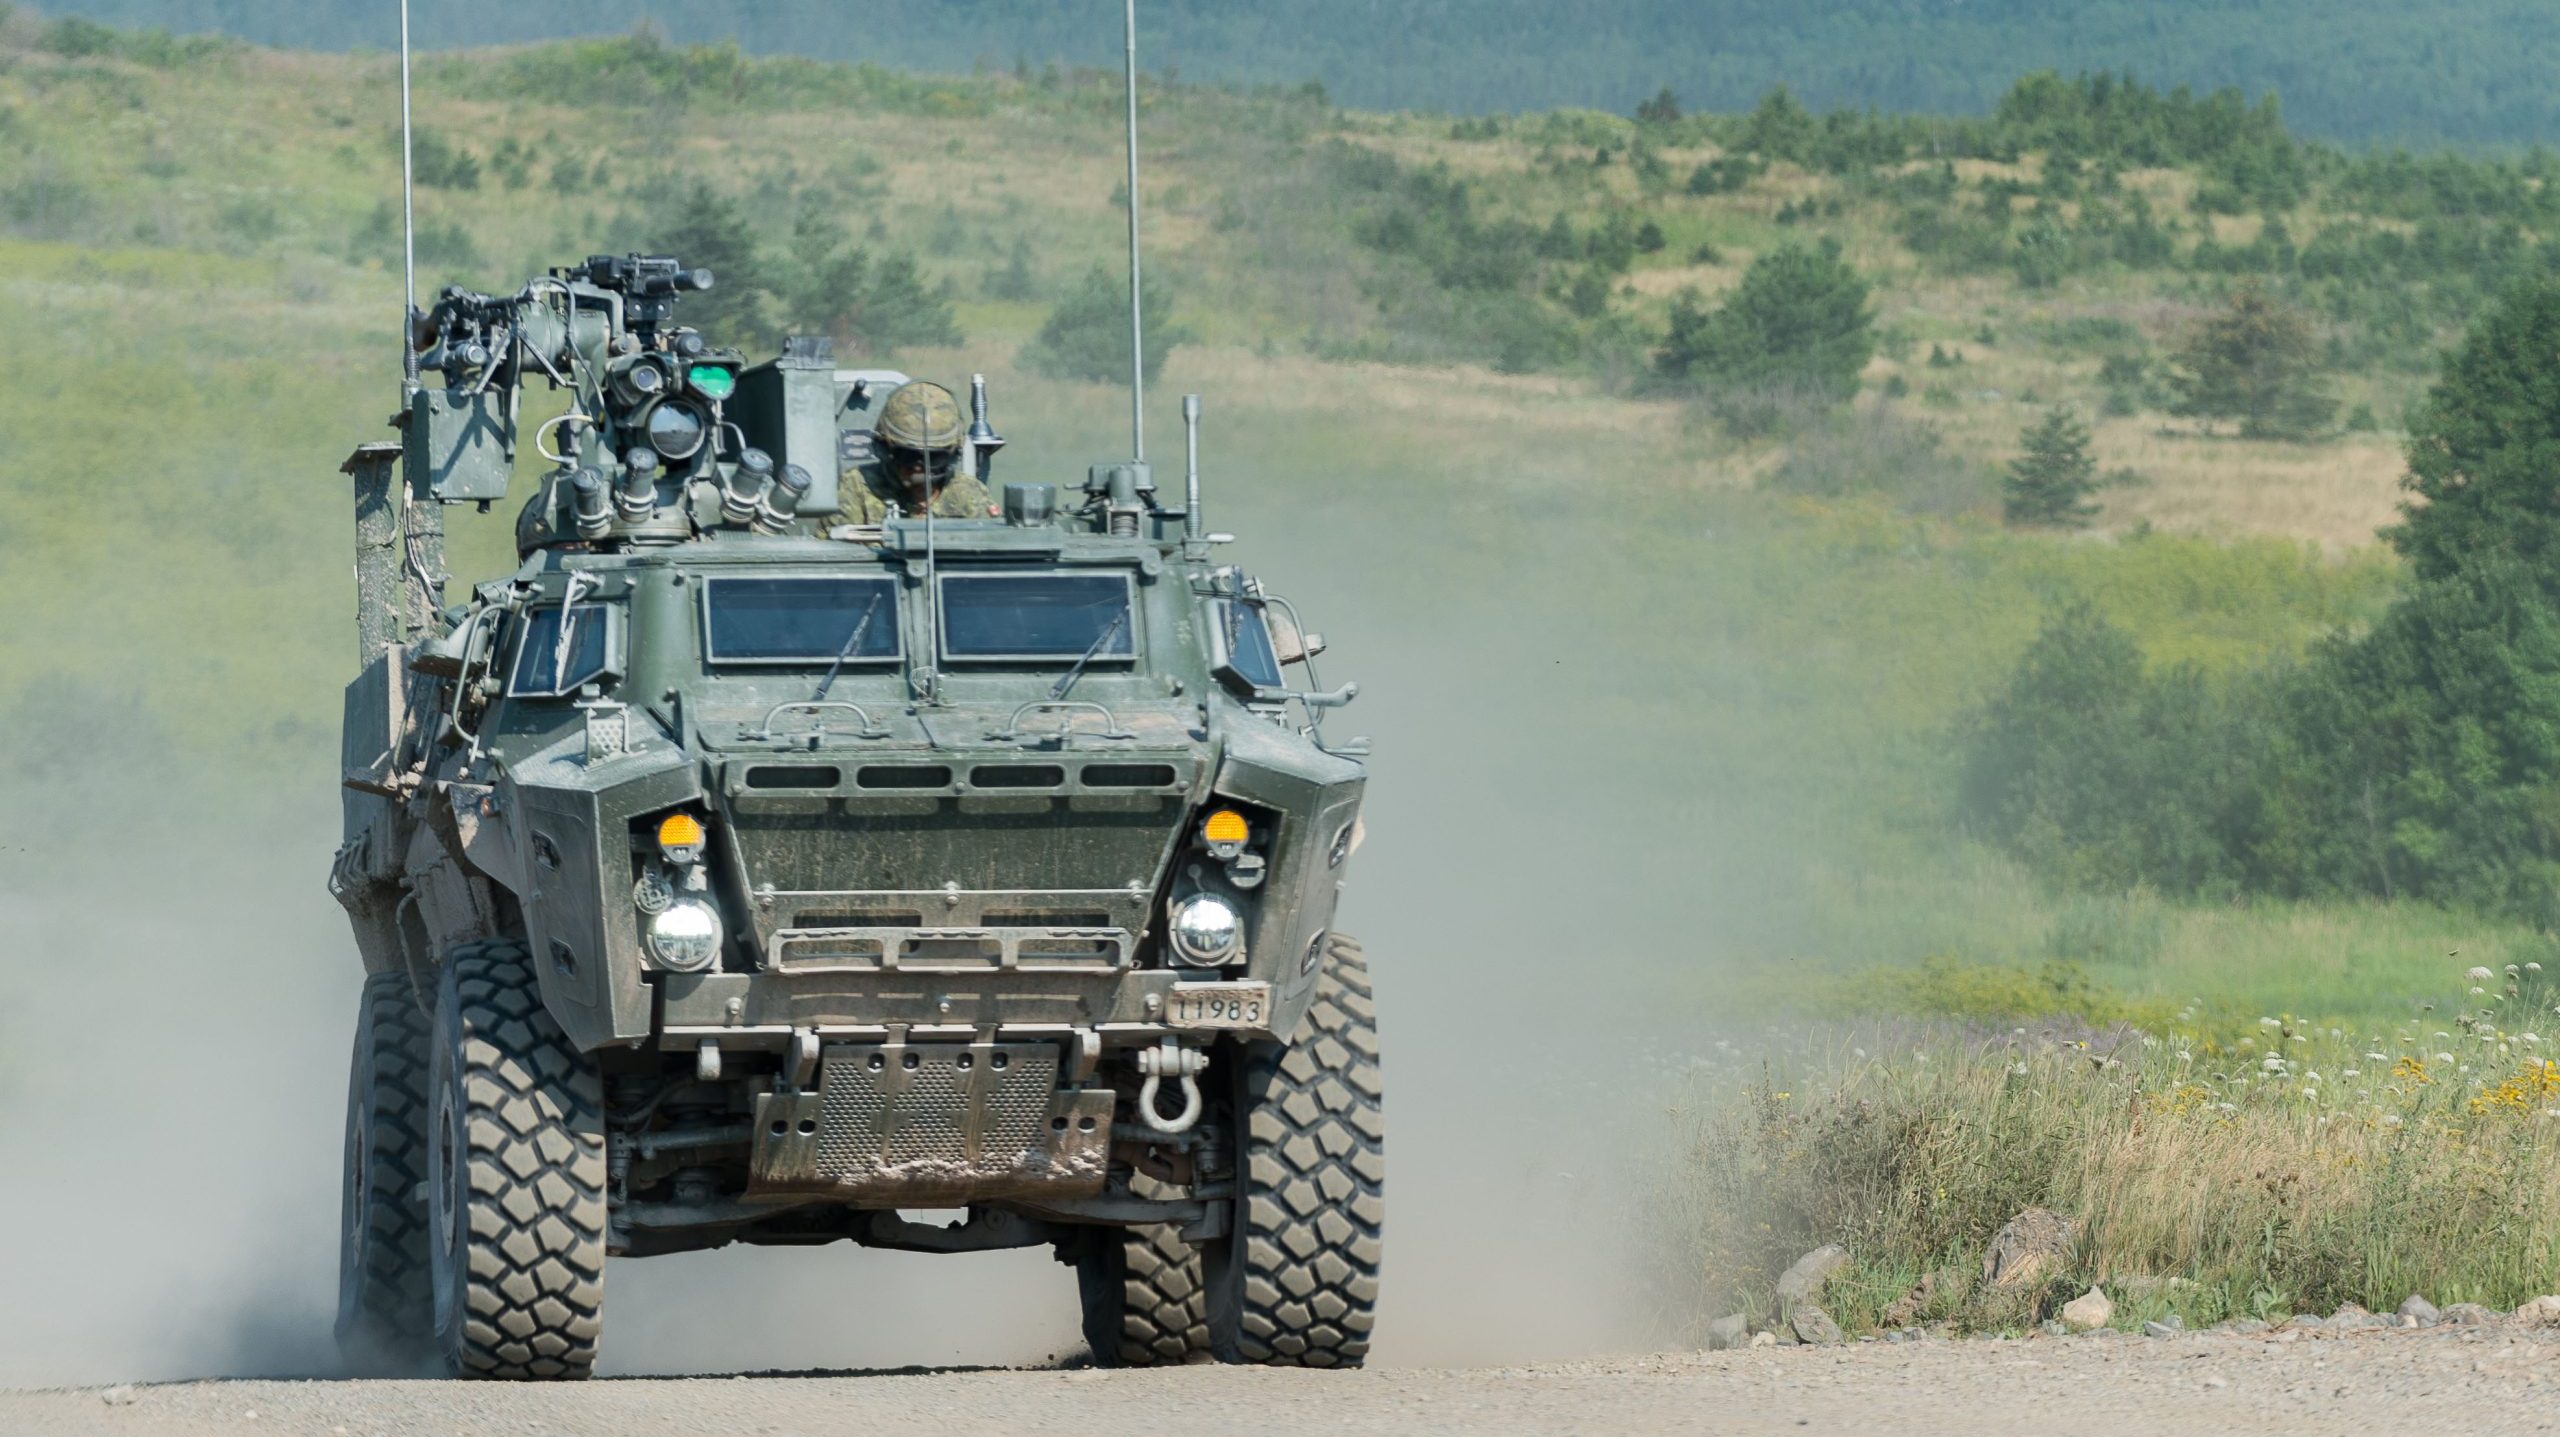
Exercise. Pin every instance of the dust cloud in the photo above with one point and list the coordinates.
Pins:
(175, 1011)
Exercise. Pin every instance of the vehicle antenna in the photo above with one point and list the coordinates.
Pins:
(1191, 466)
(408, 224)
(1137, 330)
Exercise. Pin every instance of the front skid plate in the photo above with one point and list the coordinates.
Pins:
(910, 1124)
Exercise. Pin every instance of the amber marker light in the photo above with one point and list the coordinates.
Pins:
(1224, 833)
(680, 837)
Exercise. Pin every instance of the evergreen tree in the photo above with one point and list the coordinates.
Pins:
(1087, 335)
(2485, 447)
(2255, 362)
(708, 230)
(868, 306)
(2051, 483)
(1799, 320)
(1017, 280)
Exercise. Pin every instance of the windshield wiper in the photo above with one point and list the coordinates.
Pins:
(1067, 681)
(579, 584)
(851, 643)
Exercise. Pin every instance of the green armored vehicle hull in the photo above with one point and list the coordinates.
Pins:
(734, 873)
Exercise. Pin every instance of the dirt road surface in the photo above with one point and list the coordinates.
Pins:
(2495, 1380)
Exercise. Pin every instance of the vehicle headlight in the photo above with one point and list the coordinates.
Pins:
(1206, 930)
(686, 937)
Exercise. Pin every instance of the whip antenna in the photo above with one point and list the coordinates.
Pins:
(1137, 331)
(408, 221)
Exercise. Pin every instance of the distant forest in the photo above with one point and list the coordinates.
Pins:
(2473, 72)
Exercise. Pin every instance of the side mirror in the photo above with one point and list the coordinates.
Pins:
(1290, 644)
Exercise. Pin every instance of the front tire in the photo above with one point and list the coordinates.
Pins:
(1144, 1298)
(516, 1178)
(1296, 1285)
(386, 1308)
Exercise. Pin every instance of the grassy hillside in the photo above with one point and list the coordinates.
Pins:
(1724, 688)
(2448, 70)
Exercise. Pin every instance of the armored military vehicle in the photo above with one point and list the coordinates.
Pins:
(730, 873)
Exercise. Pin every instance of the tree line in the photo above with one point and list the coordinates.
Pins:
(2463, 71)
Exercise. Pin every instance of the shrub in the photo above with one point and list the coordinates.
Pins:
(1798, 319)
(2096, 770)
(1873, 450)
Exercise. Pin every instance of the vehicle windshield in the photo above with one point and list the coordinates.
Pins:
(538, 672)
(800, 621)
(1037, 617)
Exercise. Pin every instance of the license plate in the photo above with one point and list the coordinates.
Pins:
(1219, 1005)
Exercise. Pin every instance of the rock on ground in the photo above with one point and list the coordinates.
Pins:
(1731, 1330)
(1803, 1283)
(1814, 1327)
(2090, 1309)
(2469, 1314)
(2421, 1309)
(2027, 1247)
(2541, 1312)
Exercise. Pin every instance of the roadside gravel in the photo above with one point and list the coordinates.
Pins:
(2504, 1379)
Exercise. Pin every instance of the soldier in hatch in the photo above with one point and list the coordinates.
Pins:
(909, 459)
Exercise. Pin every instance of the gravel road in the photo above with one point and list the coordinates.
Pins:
(2476, 1380)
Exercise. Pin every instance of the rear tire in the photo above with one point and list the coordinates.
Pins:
(386, 1306)
(1296, 1285)
(516, 1177)
(1145, 1303)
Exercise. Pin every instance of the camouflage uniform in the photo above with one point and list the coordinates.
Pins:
(921, 417)
(868, 488)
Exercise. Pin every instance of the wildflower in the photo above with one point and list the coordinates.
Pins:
(2444, 1057)
(2533, 967)
(2020, 1069)
(2476, 992)
(2227, 1107)
(2311, 1094)
(2391, 1120)
(2185, 1057)
(2377, 1057)
(2272, 1065)
(2527, 1038)
(2476, 975)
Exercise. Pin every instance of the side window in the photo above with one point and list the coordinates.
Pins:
(546, 667)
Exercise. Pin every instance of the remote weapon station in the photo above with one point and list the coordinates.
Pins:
(737, 872)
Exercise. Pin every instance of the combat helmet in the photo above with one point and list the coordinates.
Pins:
(922, 417)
